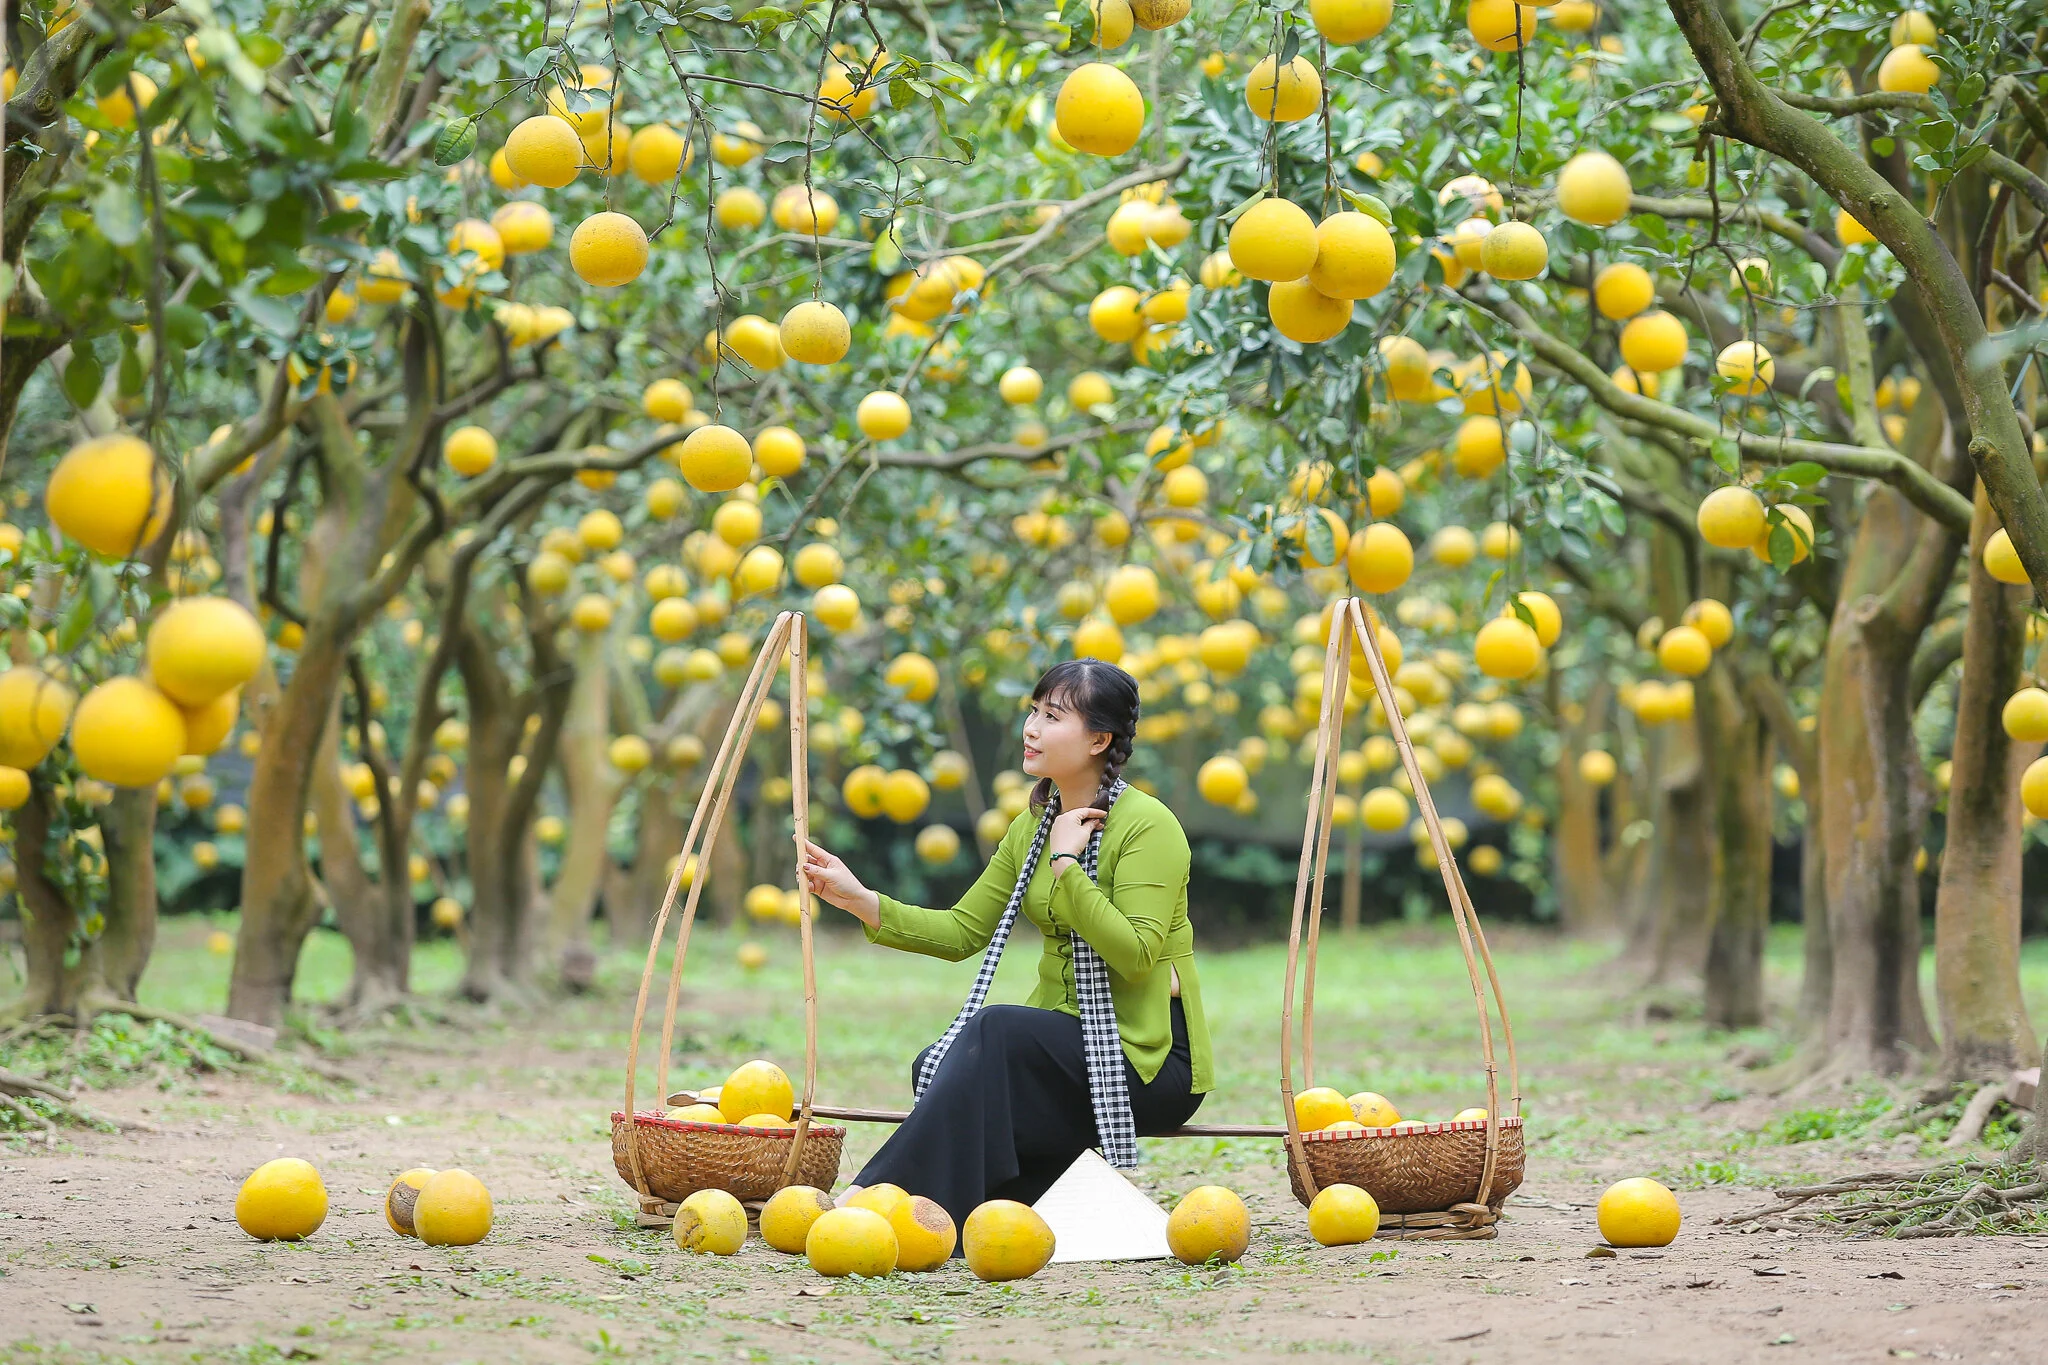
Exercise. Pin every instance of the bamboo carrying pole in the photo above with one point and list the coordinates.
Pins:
(786, 639)
(1349, 618)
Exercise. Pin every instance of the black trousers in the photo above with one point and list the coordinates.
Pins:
(1009, 1110)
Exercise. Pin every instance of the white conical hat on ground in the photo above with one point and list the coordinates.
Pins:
(1096, 1214)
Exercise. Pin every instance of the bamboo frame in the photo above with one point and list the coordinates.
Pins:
(787, 639)
(1349, 619)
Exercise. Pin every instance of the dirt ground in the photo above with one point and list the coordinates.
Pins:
(125, 1248)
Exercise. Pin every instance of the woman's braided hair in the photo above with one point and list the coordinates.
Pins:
(1107, 699)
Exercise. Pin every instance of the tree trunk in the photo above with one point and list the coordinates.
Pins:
(591, 789)
(49, 921)
(128, 828)
(1984, 1028)
(1739, 751)
(1351, 906)
(1586, 902)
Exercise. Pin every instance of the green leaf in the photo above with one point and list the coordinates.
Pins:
(262, 49)
(1321, 540)
(1726, 454)
(1370, 205)
(1805, 473)
(78, 619)
(455, 142)
(84, 375)
(117, 213)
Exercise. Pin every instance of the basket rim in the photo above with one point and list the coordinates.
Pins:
(694, 1125)
(1446, 1126)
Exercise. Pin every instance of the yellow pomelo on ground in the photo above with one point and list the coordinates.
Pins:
(470, 451)
(787, 1216)
(851, 1241)
(608, 250)
(715, 459)
(201, 648)
(1099, 110)
(1304, 314)
(1684, 650)
(1273, 240)
(1318, 1108)
(816, 333)
(282, 1201)
(1222, 780)
(453, 1210)
(2001, 561)
(1280, 94)
(1354, 256)
(1501, 25)
(1653, 343)
(882, 1198)
(710, 1221)
(1507, 648)
(1209, 1223)
(925, 1235)
(545, 150)
(882, 415)
(1343, 1215)
(1350, 21)
(1730, 518)
(2034, 789)
(1593, 188)
(1623, 290)
(1638, 1213)
(402, 1196)
(1796, 526)
(756, 1087)
(127, 734)
(1908, 69)
(2026, 715)
(1006, 1240)
(1369, 1107)
(108, 495)
(1514, 251)
(1747, 366)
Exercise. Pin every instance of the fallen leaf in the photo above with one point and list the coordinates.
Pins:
(80, 1308)
(810, 1292)
(1768, 1270)
(1600, 1253)
(1785, 1340)
(1699, 1284)
(1469, 1336)
(1575, 1282)
(1885, 1275)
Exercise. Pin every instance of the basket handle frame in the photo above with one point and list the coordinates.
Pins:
(1357, 619)
(785, 639)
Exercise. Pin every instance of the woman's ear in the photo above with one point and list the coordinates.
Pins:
(1099, 742)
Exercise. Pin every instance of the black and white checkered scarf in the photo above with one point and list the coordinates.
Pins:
(1114, 1125)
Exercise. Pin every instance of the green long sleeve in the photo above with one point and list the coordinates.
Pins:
(1129, 930)
(957, 933)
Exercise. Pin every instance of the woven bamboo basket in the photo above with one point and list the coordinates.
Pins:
(665, 1160)
(1431, 1181)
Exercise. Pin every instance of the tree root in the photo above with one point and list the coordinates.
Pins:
(15, 1087)
(1884, 1202)
(1976, 1114)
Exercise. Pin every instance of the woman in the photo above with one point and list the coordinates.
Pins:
(1112, 1042)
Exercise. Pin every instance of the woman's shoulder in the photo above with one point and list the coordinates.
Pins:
(1148, 818)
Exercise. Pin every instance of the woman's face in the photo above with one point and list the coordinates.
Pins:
(1057, 742)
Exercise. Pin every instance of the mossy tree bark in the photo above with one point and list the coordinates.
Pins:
(1985, 1032)
(1738, 754)
(592, 786)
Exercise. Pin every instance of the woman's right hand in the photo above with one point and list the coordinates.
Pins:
(833, 882)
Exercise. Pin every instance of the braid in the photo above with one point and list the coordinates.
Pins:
(1113, 759)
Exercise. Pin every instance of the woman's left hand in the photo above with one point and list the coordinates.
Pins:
(1071, 830)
